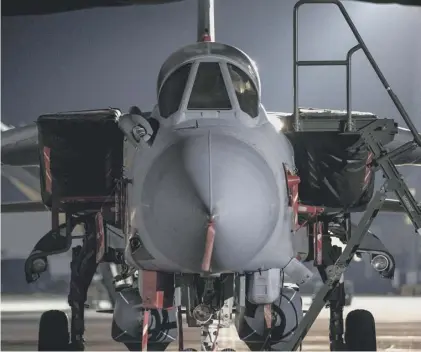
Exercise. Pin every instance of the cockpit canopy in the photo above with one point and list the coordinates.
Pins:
(209, 90)
(208, 76)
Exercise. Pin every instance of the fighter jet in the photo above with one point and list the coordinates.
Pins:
(218, 208)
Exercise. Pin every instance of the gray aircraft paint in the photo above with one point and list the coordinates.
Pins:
(223, 164)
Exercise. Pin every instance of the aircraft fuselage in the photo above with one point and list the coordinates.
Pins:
(215, 157)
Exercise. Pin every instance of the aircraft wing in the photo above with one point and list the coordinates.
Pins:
(41, 7)
(23, 207)
(19, 146)
(411, 158)
(26, 180)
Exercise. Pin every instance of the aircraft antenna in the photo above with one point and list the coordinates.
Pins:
(205, 21)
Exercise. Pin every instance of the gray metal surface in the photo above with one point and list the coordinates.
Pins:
(413, 157)
(205, 19)
(19, 146)
(211, 164)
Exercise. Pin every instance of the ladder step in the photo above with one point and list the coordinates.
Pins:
(405, 148)
(322, 63)
(395, 179)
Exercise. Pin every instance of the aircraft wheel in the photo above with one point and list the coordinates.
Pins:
(360, 331)
(53, 334)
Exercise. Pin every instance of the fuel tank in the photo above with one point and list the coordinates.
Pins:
(127, 322)
(287, 312)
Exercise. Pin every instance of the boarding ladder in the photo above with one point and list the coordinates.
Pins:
(374, 134)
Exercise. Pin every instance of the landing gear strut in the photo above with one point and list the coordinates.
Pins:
(209, 308)
(54, 331)
(83, 267)
(336, 321)
(336, 299)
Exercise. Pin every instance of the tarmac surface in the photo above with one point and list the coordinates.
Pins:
(395, 332)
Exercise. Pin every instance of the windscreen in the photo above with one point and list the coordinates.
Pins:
(172, 91)
(209, 91)
(246, 92)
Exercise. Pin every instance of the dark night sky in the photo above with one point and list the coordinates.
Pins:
(111, 57)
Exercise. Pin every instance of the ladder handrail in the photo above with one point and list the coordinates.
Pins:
(382, 78)
(372, 136)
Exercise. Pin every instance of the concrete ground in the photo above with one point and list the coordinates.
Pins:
(398, 328)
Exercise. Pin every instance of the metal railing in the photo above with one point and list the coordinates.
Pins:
(347, 62)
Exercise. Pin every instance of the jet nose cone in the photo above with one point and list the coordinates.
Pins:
(216, 175)
(239, 190)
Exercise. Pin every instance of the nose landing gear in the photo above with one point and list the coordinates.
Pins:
(209, 307)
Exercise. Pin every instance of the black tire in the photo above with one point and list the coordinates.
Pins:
(53, 334)
(360, 331)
